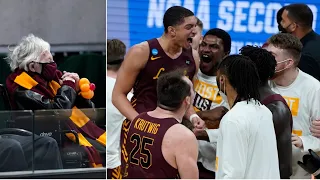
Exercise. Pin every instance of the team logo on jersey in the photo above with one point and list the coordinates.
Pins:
(154, 52)
(187, 62)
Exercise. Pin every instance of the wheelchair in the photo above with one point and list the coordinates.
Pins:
(72, 154)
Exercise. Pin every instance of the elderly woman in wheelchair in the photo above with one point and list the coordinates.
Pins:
(36, 84)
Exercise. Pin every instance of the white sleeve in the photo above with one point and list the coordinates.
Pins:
(129, 96)
(233, 157)
(309, 141)
(213, 135)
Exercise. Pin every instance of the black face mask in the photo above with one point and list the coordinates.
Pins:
(284, 30)
(281, 29)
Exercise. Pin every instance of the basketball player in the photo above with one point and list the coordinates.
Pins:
(282, 118)
(246, 146)
(196, 40)
(145, 62)
(159, 146)
(216, 44)
(301, 92)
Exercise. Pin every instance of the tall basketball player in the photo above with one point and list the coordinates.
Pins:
(145, 62)
(282, 118)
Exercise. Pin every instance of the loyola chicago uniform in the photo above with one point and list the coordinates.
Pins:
(145, 88)
(303, 99)
(206, 98)
(144, 144)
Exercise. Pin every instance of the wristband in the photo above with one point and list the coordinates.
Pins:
(316, 173)
(192, 116)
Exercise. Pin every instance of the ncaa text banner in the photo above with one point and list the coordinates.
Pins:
(248, 22)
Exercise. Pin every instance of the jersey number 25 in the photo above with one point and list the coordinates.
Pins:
(140, 145)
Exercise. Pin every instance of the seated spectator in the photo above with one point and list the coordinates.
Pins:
(35, 83)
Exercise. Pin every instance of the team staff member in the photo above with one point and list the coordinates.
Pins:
(297, 19)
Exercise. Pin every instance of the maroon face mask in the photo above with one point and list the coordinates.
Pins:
(48, 70)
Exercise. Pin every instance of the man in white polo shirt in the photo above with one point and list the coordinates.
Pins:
(302, 93)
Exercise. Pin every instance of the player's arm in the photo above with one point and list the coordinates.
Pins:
(135, 60)
(281, 117)
(186, 153)
(309, 141)
(231, 165)
(282, 120)
(212, 120)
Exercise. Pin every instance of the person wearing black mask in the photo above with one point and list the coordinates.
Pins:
(36, 84)
(279, 18)
(297, 19)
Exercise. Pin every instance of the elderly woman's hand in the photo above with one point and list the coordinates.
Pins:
(73, 76)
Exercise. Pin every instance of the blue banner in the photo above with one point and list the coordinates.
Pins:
(248, 22)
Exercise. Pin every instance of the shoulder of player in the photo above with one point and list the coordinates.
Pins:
(180, 134)
(279, 110)
(138, 53)
(141, 48)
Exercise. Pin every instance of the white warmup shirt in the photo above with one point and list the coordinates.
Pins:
(247, 147)
(207, 98)
(114, 124)
(303, 98)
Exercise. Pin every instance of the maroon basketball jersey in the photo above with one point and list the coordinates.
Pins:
(144, 140)
(144, 91)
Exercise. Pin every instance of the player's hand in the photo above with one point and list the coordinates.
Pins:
(296, 140)
(213, 117)
(315, 128)
(311, 162)
(198, 123)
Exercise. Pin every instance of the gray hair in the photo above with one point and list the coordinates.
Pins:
(29, 49)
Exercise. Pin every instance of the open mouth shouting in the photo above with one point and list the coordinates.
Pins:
(207, 58)
(189, 40)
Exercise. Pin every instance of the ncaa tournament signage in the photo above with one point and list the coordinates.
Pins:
(248, 22)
